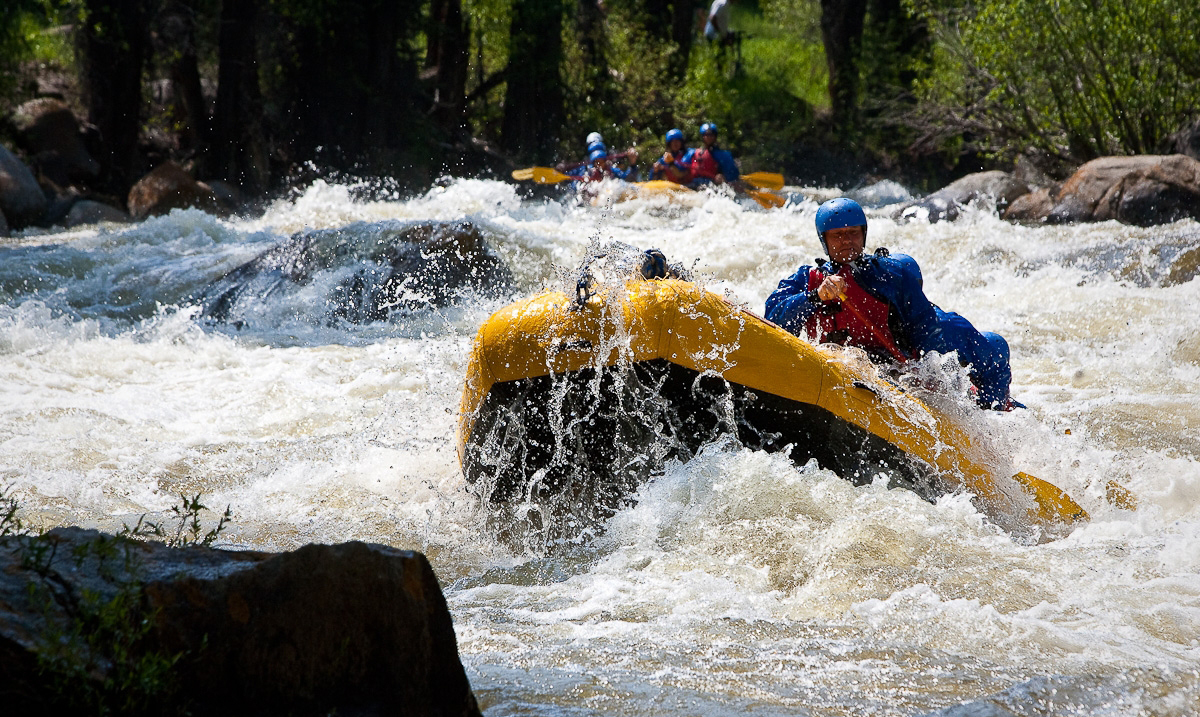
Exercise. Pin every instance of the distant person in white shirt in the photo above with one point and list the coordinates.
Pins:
(717, 28)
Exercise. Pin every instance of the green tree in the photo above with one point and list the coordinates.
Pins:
(1072, 79)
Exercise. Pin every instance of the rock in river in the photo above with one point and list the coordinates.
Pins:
(169, 187)
(370, 270)
(1143, 190)
(352, 628)
(944, 204)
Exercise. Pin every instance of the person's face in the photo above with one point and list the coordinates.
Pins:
(845, 244)
(674, 145)
(602, 162)
(709, 138)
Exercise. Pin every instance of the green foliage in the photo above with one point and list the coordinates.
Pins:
(102, 660)
(1074, 79)
(489, 25)
(785, 42)
(10, 521)
(27, 33)
(188, 531)
(763, 102)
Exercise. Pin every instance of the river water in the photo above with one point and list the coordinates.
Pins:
(739, 584)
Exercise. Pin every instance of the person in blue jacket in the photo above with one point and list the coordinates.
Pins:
(709, 164)
(877, 302)
(671, 166)
(599, 166)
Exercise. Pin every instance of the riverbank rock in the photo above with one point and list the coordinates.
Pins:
(21, 198)
(1142, 190)
(3, 226)
(169, 187)
(944, 204)
(352, 628)
(51, 134)
(373, 270)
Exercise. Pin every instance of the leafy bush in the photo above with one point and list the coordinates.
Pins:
(1074, 79)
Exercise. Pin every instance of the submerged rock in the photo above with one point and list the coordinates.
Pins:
(944, 204)
(381, 268)
(352, 628)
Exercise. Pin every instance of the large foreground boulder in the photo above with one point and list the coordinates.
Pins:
(21, 198)
(52, 136)
(352, 629)
(944, 204)
(169, 187)
(1143, 190)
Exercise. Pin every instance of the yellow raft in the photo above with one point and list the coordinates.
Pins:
(678, 192)
(581, 400)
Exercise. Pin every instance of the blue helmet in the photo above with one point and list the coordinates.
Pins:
(599, 153)
(674, 134)
(708, 127)
(593, 146)
(839, 213)
(594, 138)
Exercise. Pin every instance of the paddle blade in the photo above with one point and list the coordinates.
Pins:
(764, 180)
(522, 175)
(546, 175)
(767, 200)
(1053, 505)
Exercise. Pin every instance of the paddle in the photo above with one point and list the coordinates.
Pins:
(768, 200)
(764, 180)
(1053, 505)
(548, 175)
(542, 175)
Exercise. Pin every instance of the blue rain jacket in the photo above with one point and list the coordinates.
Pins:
(918, 325)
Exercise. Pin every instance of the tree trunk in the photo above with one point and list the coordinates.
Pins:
(533, 96)
(841, 32)
(176, 44)
(446, 55)
(683, 32)
(112, 48)
(238, 147)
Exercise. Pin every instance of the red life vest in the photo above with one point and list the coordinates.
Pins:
(704, 164)
(843, 327)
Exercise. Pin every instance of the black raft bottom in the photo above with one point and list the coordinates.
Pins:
(587, 440)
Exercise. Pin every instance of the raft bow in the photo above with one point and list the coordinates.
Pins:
(581, 399)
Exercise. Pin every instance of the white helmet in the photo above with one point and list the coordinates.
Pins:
(593, 138)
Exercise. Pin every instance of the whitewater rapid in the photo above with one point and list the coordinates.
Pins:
(739, 583)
